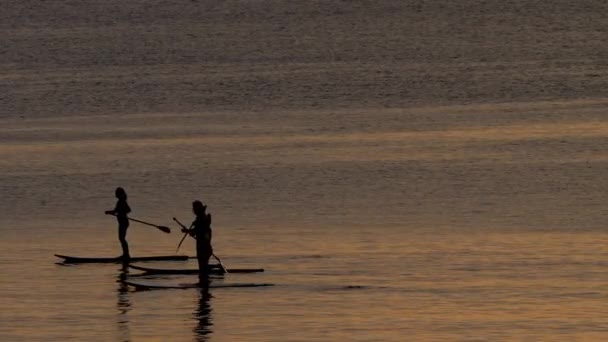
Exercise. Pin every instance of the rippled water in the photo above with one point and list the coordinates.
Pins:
(417, 170)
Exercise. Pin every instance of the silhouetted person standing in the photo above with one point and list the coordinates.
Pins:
(120, 211)
(201, 231)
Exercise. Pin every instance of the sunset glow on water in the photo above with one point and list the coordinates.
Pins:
(403, 171)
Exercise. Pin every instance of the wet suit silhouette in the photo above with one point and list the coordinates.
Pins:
(120, 211)
(201, 231)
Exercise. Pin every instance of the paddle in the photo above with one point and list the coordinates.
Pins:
(212, 254)
(220, 261)
(163, 229)
(182, 240)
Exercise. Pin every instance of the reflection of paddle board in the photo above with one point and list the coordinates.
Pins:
(214, 269)
(140, 286)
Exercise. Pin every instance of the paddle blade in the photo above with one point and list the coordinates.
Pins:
(164, 229)
(220, 261)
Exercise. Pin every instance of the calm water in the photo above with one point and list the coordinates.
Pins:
(403, 170)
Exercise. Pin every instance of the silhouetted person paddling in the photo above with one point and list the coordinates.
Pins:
(120, 211)
(201, 231)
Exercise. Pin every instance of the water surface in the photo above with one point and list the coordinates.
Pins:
(417, 170)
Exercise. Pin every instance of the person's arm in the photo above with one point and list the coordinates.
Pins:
(191, 231)
(113, 211)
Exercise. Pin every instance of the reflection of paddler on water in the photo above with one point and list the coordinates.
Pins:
(200, 229)
(123, 305)
(202, 316)
(120, 211)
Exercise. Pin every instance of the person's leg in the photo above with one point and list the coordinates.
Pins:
(122, 237)
(203, 256)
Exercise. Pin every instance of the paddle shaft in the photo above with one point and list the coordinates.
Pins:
(162, 228)
(220, 261)
(183, 238)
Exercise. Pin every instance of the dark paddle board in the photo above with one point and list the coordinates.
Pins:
(215, 269)
(79, 260)
(142, 286)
